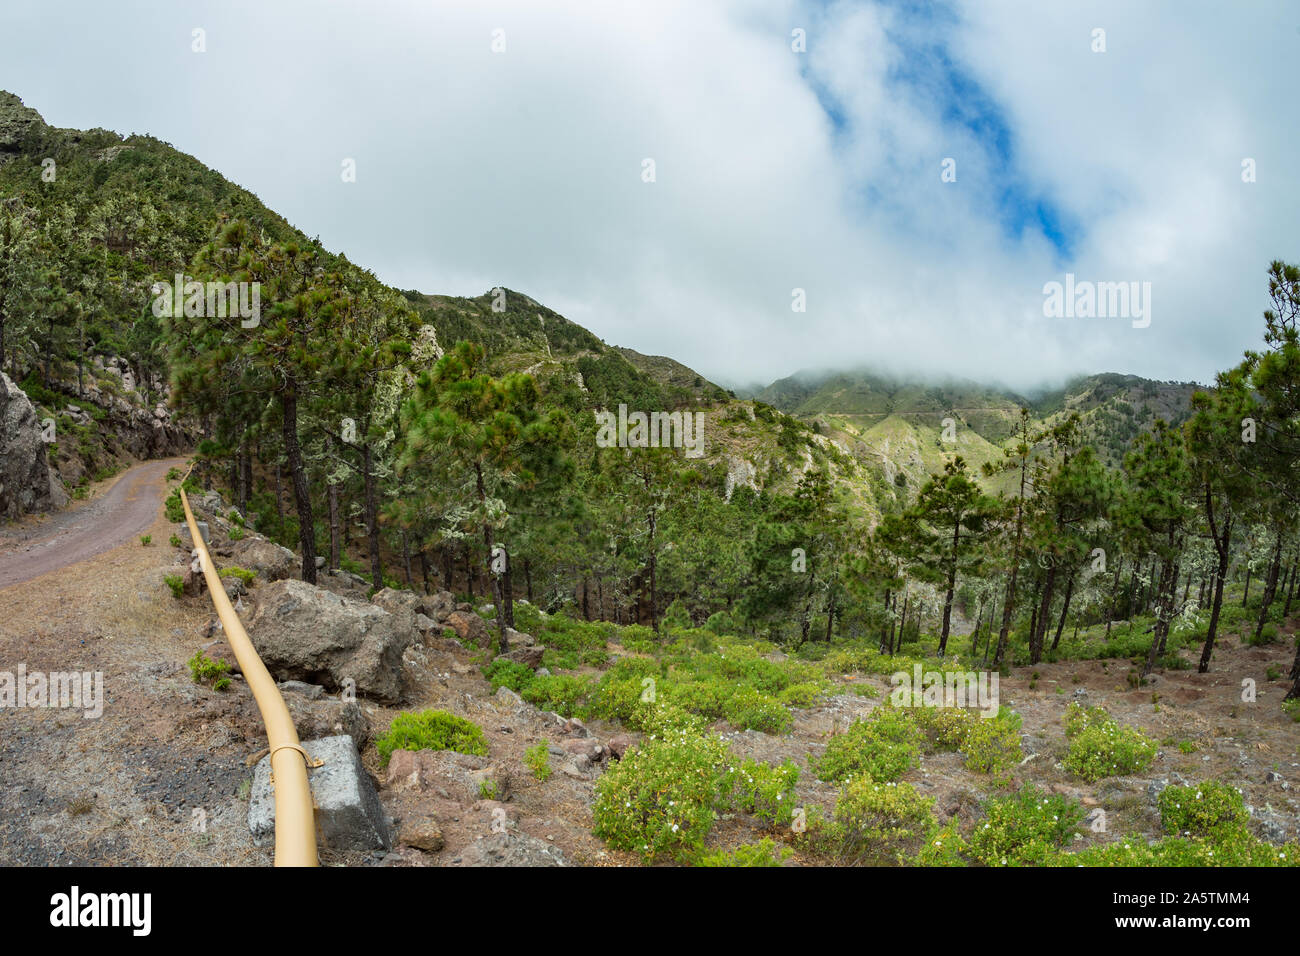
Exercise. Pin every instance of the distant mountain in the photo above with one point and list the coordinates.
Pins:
(899, 423)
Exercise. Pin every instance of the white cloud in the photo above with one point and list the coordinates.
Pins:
(523, 168)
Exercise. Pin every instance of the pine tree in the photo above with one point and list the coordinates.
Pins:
(485, 437)
(952, 519)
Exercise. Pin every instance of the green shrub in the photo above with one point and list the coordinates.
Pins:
(175, 510)
(234, 571)
(504, 673)
(236, 534)
(538, 759)
(766, 791)
(562, 693)
(1237, 850)
(992, 745)
(204, 670)
(528, 618)
(943, 847)
(1292, 709)
(146, 540)
(803, 695)
(706, 696)
(989, 744)
(662, 718)
(431, 730)
(1210, 809)
(662, 798)
(174, 541)
(1099, 747)
(874, 824)
(619, 692)
(763, 853)
(176, 583)
(571, 643)
(1023, 829)
(1078, 718)
(748, 709)
(1267, 635)
(882, 747)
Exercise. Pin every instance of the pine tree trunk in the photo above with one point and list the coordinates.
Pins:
(507, 610)
(654, 597)
(1114, 596)
(301, 493)
(1039, 631)
(1157, 636)
(902, 621)
(952, 587)
(1009, 604)
(1294, 692)
(1065, 609)
(498, 597)
(884, 630)
(1169, 607)
(1270, 588)
(372, 516)
(1220, 578)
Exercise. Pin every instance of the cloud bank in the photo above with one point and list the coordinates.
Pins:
(774, 169)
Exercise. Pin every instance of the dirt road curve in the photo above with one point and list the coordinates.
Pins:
(125, 510)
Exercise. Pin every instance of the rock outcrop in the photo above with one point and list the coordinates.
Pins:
(27, 482)
(16, 123)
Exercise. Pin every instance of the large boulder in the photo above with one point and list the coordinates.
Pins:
(343, 583)
(272, 561)
(27, 482)
(403, 605)
(438, 605)
(307, 633)
(469, 628)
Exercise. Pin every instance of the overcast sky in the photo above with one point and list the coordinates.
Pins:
(774, 169)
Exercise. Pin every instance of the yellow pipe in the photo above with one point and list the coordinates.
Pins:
(295, 818)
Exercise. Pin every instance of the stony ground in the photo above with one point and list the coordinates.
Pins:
(163, 776)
